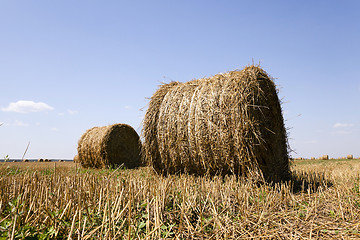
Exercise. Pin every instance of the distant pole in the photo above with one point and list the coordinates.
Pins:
(22, 159)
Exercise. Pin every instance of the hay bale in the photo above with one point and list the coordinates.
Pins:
(324, 157)
(227, 124)
(40, 160)
(350, 156)
(25, 160)
(111, 145)
(313, 158)
(151, 149)
(76, 159)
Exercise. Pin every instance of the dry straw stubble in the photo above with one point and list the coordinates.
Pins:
(228, 123)
(111, 145)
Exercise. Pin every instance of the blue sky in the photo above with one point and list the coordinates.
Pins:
(66, 66)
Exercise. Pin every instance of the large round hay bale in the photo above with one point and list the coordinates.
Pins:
(226, 124)
(350, 156)
(111, 145)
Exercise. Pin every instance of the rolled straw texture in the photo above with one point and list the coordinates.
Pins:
(226, 124)
(111, 145)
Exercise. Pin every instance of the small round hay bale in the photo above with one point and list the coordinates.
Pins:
(325, 157)
(25, 160)
(111, 145)
(226, 124)
(350, 156)
(313, 158)
(40, 160)
(76, 159)
(46, 160)
(60, 160)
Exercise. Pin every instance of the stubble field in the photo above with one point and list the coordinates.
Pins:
(63, 201)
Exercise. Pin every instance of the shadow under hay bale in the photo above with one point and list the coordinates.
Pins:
(111, 145)
(309, 181)
(230, 123)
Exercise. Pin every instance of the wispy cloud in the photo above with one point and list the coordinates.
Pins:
(343, 132)
(19, 123)
(128, 107)
(72, 112)
(343, 125)
(27, 107)
(69, 111)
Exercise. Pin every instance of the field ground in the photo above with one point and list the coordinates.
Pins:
(59, 200)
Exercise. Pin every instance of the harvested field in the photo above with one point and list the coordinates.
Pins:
(59, 200)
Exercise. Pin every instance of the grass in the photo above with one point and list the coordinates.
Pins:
(62, 201)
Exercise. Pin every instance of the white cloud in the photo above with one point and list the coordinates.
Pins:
(128, 107)
(27, 107)
(343, 132)
(343, 125)
(69, 111)
(18, 123)
(72, 112)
